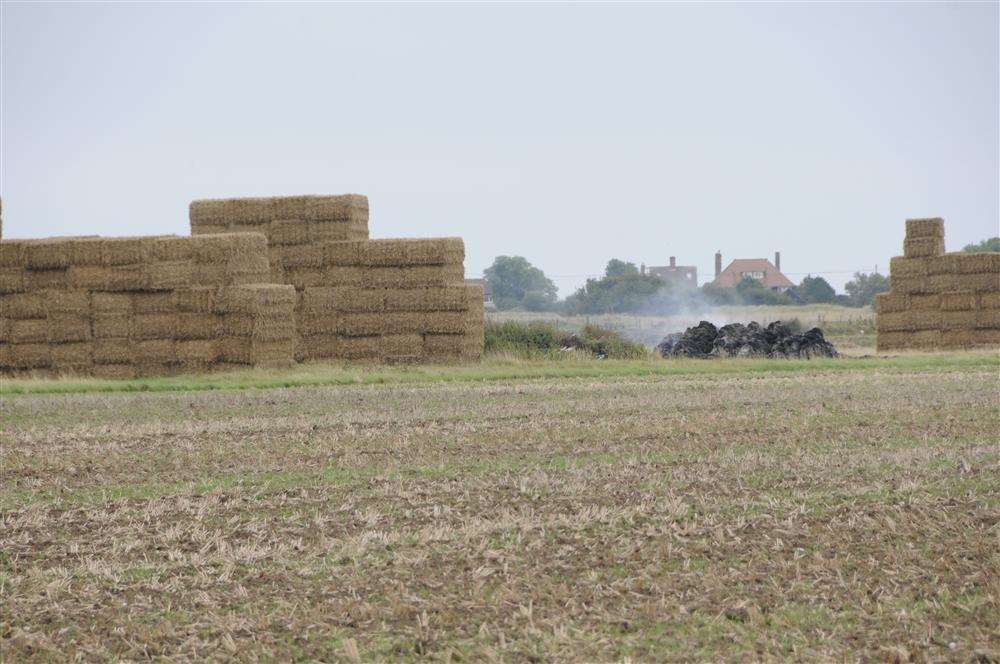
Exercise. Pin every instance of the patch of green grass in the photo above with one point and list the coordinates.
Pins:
(495, 369)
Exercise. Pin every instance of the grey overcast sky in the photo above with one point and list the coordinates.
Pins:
(566, 133)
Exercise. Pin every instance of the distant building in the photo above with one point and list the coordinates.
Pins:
(674, 274)
(487, 291)
(761, 269)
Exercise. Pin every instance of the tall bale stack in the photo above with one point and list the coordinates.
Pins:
(938, 300)
(359, 299)
(149, 306)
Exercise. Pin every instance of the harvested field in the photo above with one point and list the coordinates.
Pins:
(755, 509)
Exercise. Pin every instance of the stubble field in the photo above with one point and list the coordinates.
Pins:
(780, 511)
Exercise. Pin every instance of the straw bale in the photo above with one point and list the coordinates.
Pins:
(29, 355)
(317, 324)
(209, 229)
(403, 322)
(930, 227)
(114, 371)
(452, 346)
(319, 300)
(923, 339)
(170, 248)
(12, 253)
(923, 246)
(412, 277)
(320, 346)
(402, 347)
(298, 256)
(125, 250)
(957, 338)
(228, 248)
(197, 352)
(85, 251)
(28, 330)
(195, 299)
(274, 328)
(207, 212)
(349, 299)
(155, 351)
(44, 279)
(277, 274)
(112, 325)
(445, 322)
(988, 262)
(410, 252)
(288, 232)
(943, 264)
(118, 303)
(440, 298)
(274, 353)
(154, 302)
(237, 350)
(197, 326)
(989, 300)
(67, 302)
(113, 351)
(289, 207)
(164, 275)
(957, 320)
(944, 283)
(305, 277)
(927, 302)
(360, 348)
(75, 357)
(266, 299)
(68, 327)
(959, 301)
(984, 281)
(12, 280)
(901, 266)
(360, 325)
(342, 254)
(337, 231)
(347, 207)
(22, 305)
(154, 326)
(46, 254)
(336, 275)
(117, 278)
(891, 303)
(987, 319)
(5, 328)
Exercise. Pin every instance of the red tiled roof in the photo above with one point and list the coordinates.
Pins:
(733, 273)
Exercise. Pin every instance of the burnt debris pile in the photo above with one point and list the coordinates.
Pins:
(705, 340)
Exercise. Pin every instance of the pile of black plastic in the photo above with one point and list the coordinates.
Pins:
(704, 340)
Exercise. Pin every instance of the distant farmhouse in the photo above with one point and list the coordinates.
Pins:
(674, 274)
(761, 269)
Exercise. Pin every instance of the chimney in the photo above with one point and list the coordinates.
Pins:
(777, 260)
(673, 261)
(718, 264)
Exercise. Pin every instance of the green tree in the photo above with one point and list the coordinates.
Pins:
(816, 289)
(752, 291)
(619, 268)
(513, 277)
(863, 288)
(990, 244)
(622, 290)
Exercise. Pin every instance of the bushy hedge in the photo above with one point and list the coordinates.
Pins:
(544, 340)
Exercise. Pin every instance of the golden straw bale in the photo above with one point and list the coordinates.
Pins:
(346, 207)
(891, 302)
(360, 348)
(68, 327)
(12, 253)
(474, 298)
(318, 300)
(922, 340)
(444, 322)
(944, 283)
(117, 303)
(441, 298)
(273, 353)
(288, 232)
(930, 227)
(196, 299)
(125, 250)
(209, 229)
(901, 266)
(155, 351)
(75, 301)
(12, 280)
(274, 328)
(343, 254)
(22, 305)
(28, 330)
(154, 302)
(988, 262)
(237, 350)
(45, 279)
(986, 281)
(97, 277)
(403, 322)
(443, 346)
(298, 256)
(987, 300)
(154, 326)
(197, 351)
(228, 248)
(923, 246)
(113, 351)
(943, 264)
(5, 329)
(958, 320)
(959, 301)
(289, 207)
(164, 275)
(76, 357)
(112, 325)
(316, 347)
(29, 355)
(318, 324)
(85, 251)
(305, 277)
(207, 212)
(360, 325)
(412, 277)
(926, 302)
(321, 232)
(114, 371)
(170, 248)
(988, 319)
(48, 254)
(349, 299)
(402, 347)
(434, 251)
(197, 326)
(337, 275)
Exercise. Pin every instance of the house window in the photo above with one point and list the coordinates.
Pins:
(756, 274)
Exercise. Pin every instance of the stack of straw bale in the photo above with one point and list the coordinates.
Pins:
(938, 300)
(126, 307)
(386, 300)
